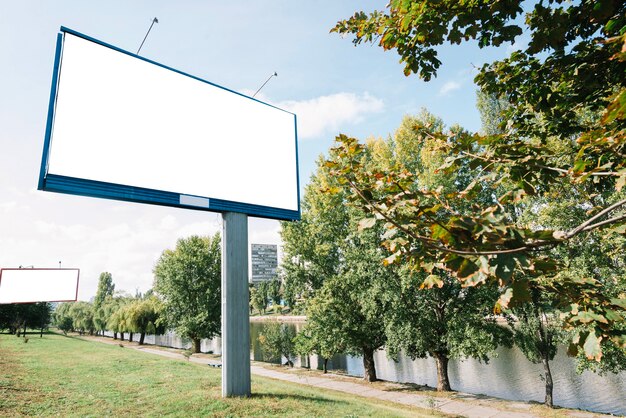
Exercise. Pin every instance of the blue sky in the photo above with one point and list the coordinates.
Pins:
(331, 85)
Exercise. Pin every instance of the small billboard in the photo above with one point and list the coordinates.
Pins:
(29, 285)
(124, 127)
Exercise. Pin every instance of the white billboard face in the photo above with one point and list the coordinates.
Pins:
(38, 285)
(120, 120)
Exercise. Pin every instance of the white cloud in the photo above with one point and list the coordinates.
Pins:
(168, 223)
(7, 207)
(325, 114)
(448, 87)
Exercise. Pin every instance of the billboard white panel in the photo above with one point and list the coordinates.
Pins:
(38, 285)
(122, 120)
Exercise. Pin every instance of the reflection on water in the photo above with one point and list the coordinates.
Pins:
(508, 375)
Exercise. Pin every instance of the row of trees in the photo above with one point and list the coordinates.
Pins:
(116, 312)
(360, 298)
(265, 293)
(185, 297)
(561, 140)
(525, 220)
(16, 318)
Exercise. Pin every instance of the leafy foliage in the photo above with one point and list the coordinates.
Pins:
(312, 250)
(106, 288)
(145, 316)
(568, 85)
(259, 297)
(62, 318)
(82, 317)
(338, 269)
(188, 279)
(16, 317)
(277, 341)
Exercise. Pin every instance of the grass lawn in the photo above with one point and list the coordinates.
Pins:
(57, 375)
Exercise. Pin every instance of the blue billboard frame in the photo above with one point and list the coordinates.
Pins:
(99, 189)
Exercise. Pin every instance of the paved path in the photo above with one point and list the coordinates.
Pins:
(459, 404)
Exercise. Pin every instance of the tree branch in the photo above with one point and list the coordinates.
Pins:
(545, 167)
(605, 222)
(582, 227)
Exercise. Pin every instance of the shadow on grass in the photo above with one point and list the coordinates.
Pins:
(296, 397)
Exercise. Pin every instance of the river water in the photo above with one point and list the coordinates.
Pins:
(508, 375)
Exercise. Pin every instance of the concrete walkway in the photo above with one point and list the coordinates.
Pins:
(457, 404)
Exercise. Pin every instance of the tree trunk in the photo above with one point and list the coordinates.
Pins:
(115, 335)
(196, 345)
(325, 365)
(141, 337)
(121, 336)
(549, 384)
(443, 383)
(369, 368)
(130, 337)
(41, 333)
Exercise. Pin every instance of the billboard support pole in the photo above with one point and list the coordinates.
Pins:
(235, 306)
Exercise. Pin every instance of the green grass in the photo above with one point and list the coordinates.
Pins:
(57, 375)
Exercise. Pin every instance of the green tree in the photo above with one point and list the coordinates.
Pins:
(118, 321)
(144, 316)
(260, 298)
(446, 322)
(429, 313)
(312, 250)
(343, 292)
(106, 288)
(110, 306)
(277, 341)
(274, 291)
(537, 332)
(345, 318)
(536, 326)
(62, 317)
(40, 317)
(7, 315)
(574, 65)
(492, 113)
(315, 339)
(188, 279)
(82, 317)
(17, 317)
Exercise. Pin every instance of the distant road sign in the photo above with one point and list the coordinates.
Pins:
(123, 127)
(30, 285)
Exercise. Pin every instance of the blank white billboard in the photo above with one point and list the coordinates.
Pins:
(121, 120)
(38, 285)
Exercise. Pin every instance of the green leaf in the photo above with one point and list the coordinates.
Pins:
(593, 350)
(366, 223)
(521, 293)
(391, 259)
(505, 266)
(621, 302)
(440, 233)
(431, 281)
